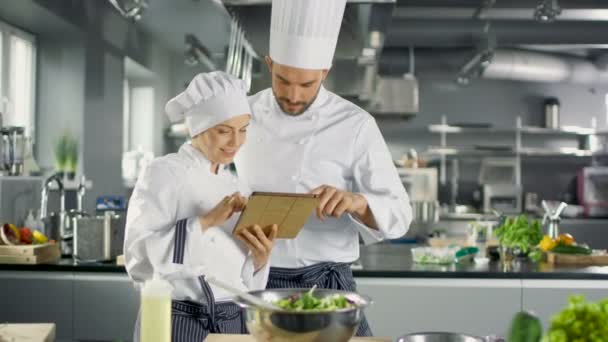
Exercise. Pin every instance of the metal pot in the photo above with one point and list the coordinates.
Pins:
(439, 337)
(290, 326)
(98, 238)
(425, 211)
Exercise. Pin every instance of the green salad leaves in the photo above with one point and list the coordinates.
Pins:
(308, 302)
(580, 321)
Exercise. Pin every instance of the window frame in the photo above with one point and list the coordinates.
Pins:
(7, 31)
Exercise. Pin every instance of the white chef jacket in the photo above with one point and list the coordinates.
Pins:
(335, 143)
(182, 186)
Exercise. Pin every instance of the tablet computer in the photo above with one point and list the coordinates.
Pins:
(289, 211)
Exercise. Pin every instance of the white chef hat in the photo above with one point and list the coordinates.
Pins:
(304, 33)
(209, 99)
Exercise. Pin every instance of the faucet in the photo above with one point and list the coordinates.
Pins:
(82, 189)
(44, 198)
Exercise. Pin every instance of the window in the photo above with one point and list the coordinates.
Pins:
(17, 77)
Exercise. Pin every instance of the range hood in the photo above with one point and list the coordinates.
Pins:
(354, 72)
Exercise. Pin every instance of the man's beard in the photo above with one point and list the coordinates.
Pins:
(282, 101)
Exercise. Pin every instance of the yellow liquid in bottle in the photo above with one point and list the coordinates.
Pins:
(155, 319)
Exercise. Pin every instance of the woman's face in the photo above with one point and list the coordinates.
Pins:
(220, 143)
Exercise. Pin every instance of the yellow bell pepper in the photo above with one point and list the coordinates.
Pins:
(547, 243)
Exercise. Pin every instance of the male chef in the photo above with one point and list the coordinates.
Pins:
(304, 138)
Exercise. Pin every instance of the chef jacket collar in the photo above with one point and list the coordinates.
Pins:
(199, 159)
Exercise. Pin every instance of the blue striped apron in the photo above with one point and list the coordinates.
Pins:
(326, 275)
(191, 321)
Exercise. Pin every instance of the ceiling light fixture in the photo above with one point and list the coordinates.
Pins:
(130, 9)
(547, 11)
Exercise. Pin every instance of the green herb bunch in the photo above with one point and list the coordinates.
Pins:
(520, 233)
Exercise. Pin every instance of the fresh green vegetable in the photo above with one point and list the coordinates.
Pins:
(525, 327)
(66, 153)
(571, 249)
(580, 321)
(308, 302)
(61, 152)
(520, 233)
(72, 155)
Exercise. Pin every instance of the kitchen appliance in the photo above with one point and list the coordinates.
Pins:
(336, 326)
(421, 186)
(504, 198)
(551, 219)
(13, 144)
(439, 337)
(98, 238)
(420, 183)
(498, 180)
(552, 113)
(593, 190)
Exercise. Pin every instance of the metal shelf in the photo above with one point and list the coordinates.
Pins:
(526, 152)
(459, 129)
(566, 131)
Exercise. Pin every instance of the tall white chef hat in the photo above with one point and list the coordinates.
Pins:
(304, 33)
(209, 99)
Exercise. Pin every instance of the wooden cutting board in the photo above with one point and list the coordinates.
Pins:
(29, 254)
(248, 338)
(580, 260)
(27, 332)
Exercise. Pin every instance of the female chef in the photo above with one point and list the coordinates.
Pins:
(182, 212)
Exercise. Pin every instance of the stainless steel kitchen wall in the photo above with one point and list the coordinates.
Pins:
(80, 81)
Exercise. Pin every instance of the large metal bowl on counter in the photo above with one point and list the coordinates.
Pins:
(439, 337)
(304, 326)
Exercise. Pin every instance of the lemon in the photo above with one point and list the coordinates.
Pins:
(39, 237)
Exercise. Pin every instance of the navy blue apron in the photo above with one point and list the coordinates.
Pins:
(326, 275)
(192, 321)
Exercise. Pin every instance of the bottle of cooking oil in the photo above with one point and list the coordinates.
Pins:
(156, 311)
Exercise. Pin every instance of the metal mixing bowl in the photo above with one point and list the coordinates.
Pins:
(439, 337)
(321, 326)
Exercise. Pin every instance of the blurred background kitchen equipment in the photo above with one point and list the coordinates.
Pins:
(439, 337)
(553, 210)
(421, 186)
(111, 203)
(425, 211)
(531, 202)
(288, 326)
(16, 197)
(500, 190)
(592, 190)
(420, 183)
(551, 106)
(98, 238)
(13, 143)
(55, 222)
